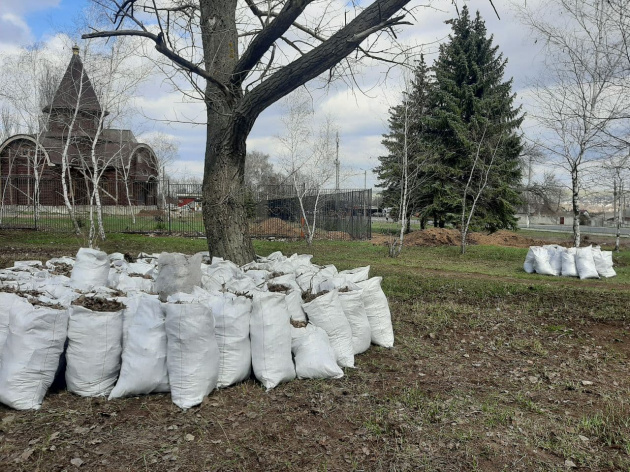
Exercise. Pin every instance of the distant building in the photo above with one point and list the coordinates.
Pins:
(71, 122)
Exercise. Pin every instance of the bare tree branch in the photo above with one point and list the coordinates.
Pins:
(161, 47)
(265, 39)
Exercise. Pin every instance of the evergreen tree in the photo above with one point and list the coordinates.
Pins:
(406, 121)
(471, 114)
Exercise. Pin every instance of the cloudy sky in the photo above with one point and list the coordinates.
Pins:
(361, 118)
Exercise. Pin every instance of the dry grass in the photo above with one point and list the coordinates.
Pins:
(492, 370)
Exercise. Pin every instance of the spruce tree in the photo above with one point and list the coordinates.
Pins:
(472, 111)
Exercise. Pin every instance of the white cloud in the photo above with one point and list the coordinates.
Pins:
(14, 29)
(26, 6)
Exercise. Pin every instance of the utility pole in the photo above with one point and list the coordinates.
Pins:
(337, 165)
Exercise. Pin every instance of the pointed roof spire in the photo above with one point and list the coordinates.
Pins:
(75, 88)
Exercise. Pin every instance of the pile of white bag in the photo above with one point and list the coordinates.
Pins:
(180, 324)
(583, 262)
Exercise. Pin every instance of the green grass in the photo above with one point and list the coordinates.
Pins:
(504, 263)
(486, 374)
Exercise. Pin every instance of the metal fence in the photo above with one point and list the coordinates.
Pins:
(282, 211)
(174, 208)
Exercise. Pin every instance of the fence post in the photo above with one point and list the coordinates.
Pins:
(168, 205)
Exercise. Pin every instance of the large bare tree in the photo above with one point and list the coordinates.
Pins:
(581, 100)
(243, 57)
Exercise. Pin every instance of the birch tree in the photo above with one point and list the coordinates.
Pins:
(405, 168)
(483, 165)
(116, 78)
(241, 57)
(308, 160)
(580, 99)
(615, 173)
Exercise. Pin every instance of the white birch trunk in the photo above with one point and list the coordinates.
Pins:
(617, 197)
(575, 189)
(404, 190)
(65, 167)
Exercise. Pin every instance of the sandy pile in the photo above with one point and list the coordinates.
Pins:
(433, 237)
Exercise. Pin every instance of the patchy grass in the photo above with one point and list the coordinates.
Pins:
(492, 370)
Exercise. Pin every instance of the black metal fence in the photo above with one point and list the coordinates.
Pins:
(175, 208)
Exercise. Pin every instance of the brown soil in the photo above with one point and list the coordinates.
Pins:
(30, 296)
(485, 375)
(278, 288)
(309, 297)
(433, 237)
(61, 269)
(99, 304)
(21, 293)
(284, 229)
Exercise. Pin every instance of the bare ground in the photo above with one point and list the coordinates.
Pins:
(485, 375)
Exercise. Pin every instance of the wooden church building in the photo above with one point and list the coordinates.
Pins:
(69, 132)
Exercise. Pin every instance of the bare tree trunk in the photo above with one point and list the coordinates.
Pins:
(37, 181)
(99, 212)
(484, 174)
(65, 166)
(529, 186)
(66, 199)
(300, 197)
(617, 200)
(131, 209)
(575, 204)
(311, 234)
(223, 203)
(404, 190)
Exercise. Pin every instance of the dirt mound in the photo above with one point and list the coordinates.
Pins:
(285, 229)
(434, 237)
(502, 238)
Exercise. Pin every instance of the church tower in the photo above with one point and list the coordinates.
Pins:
(74, 96)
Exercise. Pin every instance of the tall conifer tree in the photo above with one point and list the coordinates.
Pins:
(472, 111)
